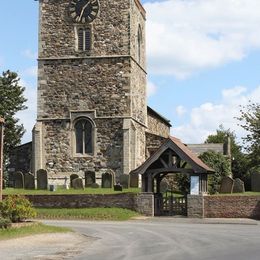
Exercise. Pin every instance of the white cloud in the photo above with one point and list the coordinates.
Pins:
(180, 110)
(28, 116)
(29, 54)
(151, 88)
(206, 118)
(186, 36)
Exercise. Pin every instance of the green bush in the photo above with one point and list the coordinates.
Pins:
(220, 164)
(16, 208)
(4, 223)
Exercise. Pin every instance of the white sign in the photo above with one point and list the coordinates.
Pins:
(194, 185)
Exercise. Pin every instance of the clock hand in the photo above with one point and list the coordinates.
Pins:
(83, 9)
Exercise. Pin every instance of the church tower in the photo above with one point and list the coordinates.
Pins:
(91, 110)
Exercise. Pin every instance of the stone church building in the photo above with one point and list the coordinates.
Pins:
(92, 113)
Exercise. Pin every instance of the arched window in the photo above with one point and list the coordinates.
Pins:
(84, 136)
(139, 43)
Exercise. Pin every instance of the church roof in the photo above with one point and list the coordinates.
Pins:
(182, 151)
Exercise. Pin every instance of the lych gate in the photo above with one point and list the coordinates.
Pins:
(172, 157)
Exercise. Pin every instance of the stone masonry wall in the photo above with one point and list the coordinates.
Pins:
(142, 202)
(153, 142)
(58, 147)
(232, 206)
(157, 126)
(80, 85)
(110, 29)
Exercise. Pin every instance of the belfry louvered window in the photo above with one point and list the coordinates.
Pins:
(84, 39)
(84, 136)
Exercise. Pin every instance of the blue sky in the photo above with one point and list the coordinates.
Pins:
(203, 60)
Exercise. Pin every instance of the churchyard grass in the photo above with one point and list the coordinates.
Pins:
(247, 193)
(112, 214)
(34, 229)
(11, 191)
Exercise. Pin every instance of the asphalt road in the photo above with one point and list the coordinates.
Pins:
(150, 239)
(165, 239)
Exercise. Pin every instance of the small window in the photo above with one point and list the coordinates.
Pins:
(84, 136)
(84, 39)
(139, 43)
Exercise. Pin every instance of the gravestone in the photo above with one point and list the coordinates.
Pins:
(118, 187)
(66, 185)
(95, 186)
(42, 179)
(90, 178)
(78, 184)
(164, 186)
(72, 177)
(18, 178)
(29, 182)
(124, 180)
(226, 185)
(107, 180)
(255, 182)
(239, 186)
(134, 180)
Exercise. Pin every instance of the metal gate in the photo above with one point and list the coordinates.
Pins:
(168, 204)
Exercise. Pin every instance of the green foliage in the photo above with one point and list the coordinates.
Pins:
(250, 121)
(220, 164)
(4, 223)
(183, 182)
(239, 160)
(16, 208)
(11, 101)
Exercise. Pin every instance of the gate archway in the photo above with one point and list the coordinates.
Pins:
(171, 157)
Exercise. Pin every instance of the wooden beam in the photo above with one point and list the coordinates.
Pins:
(169, 170)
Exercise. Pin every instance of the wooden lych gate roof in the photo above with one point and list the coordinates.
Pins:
(172, 157)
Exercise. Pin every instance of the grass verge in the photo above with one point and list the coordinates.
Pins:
(36, 228)
(114, 214)
(248, 193)
(11, 191)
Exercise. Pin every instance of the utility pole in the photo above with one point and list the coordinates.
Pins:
(1, 155)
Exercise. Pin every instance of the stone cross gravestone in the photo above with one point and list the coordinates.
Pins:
(42, 179)
(78, 184)
(72, 177)
(90, 178)
(239, 186)
(107, 180)
(18, 180)
(226, 185)
(124, 180)
(29, 182)
(255, 182)
(134, 180)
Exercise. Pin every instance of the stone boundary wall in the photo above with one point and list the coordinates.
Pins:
(195, 206)
(142, 202)
(232, 206)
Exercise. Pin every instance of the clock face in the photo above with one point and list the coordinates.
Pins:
(83, 11)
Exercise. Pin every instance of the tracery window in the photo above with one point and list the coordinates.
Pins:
(84, 136)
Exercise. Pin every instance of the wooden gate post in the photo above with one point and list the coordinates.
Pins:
(1, 155)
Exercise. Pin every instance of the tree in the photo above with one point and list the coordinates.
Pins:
(219, 163)
(239, 160)
(11, 101)
(250, 121)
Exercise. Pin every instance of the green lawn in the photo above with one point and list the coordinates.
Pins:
(114, 214)
(248, 193)
(11, 191)
(36, 228)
